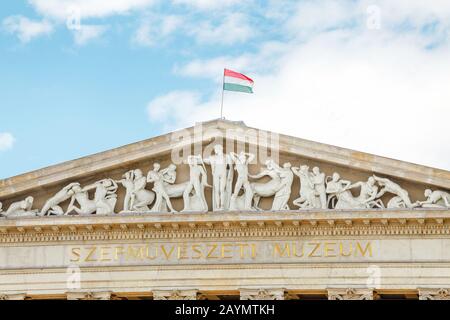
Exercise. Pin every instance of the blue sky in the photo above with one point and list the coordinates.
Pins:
(358, 74)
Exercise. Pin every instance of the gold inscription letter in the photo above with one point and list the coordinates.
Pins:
(314, 250)
(90, 255)
(330, 249)
(367, 249)
(285, 252)
(212, 249)
(75, 255)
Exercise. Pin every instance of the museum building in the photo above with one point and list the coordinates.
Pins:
(222, 211)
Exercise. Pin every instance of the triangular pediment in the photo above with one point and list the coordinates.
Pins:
(352, 165)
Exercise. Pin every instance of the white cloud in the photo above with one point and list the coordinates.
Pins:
(234, 28)
(63, 9)
(25, 28)
(379, 91)
(87, 33)
(180, 109)
(266, 59)
(6, 141)
(207, 4)
(154, 29)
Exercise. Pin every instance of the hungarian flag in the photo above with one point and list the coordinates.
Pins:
(234, 81)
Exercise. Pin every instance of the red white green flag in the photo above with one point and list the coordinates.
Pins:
(235, 81)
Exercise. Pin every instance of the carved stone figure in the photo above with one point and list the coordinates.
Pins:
(308, 198)
(340, 196)
(52, 205)
(137, 198)
(1, 208)
(435, 199)
(21, 209)
(241, 162)
(159, 180)
(194, 192)
(281, 198)
(369, 193)
(104, 201)
(318, 180)
(267, 189)
(222, 172)
(401, 199)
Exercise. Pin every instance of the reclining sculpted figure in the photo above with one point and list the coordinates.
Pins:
(435, 199)
(21, 208)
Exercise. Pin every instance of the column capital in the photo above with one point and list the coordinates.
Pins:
(350, 294)
(434, 294)
(95, 295)
(262, 294)
(175, 294)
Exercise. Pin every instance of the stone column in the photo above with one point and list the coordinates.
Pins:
(175, 294)
(350, 294)
(434, 294)
(89, 295)
(17, 296)
(262, 294)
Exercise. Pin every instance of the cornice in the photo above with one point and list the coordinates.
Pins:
(230, 225)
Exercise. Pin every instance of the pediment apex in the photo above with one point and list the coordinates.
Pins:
(162, 145)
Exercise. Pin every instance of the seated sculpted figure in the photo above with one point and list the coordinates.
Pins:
(104, 201)
(435, 199)
(21, 209)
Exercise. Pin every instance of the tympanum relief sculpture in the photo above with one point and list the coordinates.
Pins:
(153, 193)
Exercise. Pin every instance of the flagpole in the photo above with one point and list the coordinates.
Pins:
(223, 91)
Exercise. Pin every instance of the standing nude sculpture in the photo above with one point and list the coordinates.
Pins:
(318, 180)
(198, 180)
(222, 172)
(241, 162)
(52, 205)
